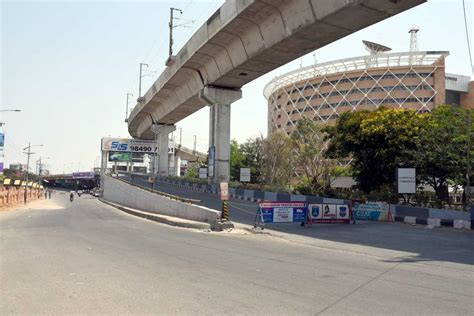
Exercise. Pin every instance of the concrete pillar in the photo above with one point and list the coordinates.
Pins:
(177, 165)
(219, 100)
(163, 142)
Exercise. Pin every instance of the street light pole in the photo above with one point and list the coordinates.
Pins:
(468, 171)
(195, 143)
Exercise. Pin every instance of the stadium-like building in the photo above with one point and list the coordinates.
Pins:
(322, 92)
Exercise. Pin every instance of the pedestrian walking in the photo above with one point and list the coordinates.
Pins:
(45, 194)
(49, 193)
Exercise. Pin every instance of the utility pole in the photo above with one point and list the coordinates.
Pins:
(139, 83)
(28, 153)
(171, 29)
(180, 136)
(194, 143)
(468, 171)
(130, 95)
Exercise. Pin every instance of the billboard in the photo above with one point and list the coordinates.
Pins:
(202, 173)
(371, 211)
(406, 180)
(128, 145)
(117, 156)
(2, 139)
(1, 167)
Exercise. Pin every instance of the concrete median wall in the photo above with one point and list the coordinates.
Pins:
(128, 195)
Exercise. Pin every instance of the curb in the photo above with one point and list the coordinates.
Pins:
(168, 220)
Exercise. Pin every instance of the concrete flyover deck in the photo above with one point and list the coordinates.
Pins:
(243, 40)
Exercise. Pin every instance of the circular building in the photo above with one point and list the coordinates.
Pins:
(322, 92)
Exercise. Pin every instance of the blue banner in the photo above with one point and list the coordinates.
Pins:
(283, 212)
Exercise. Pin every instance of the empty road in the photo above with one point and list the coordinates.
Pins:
(85, 257)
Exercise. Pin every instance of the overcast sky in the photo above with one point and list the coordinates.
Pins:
(68, 66)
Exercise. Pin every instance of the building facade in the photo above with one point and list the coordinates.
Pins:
(322, 92)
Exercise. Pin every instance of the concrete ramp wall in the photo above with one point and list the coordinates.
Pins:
(120, 192)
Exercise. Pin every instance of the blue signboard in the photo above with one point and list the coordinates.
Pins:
(2, 139)
(282, 212)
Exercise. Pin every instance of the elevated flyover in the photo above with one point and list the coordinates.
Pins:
(241, 41)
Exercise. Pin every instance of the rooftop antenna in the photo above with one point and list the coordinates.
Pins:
(374, 49)
(413, 42)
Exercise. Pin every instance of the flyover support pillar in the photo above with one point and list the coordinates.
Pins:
(163, 143)
(219, 101)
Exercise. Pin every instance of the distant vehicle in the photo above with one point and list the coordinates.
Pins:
(71, 196)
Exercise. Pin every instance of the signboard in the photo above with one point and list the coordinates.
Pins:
(282, 212)
(210, 162)
(224, 191)
(371, 211)
(329, 213)
(1, 167)
(2, 139)
(128, 145)
(202, 173)
(244, 174)
(17, 182)
(83, 175)
(117, 156)
(7, 182)
(406, 179)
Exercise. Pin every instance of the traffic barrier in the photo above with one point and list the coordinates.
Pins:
(10, 194)
(461, 224)
(409, 220)
(434, 222)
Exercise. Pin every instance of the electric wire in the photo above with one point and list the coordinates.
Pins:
(467, 36)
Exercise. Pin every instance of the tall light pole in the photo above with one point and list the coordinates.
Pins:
(195, 136)
(40, 167)
(28, 153)
(468, 171)
(140, 81)
(180, 136)
(128, 102)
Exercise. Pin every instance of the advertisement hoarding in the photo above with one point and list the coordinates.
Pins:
(116, 156)
(282, 212)
(406, 180)
(371, 211)
(329, 213)
(128, 145)
(2, 139)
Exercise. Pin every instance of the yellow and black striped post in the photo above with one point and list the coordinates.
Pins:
(225, 211)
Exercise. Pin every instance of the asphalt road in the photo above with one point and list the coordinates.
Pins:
(86, 257)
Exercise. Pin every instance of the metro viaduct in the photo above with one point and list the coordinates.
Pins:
(241, 41)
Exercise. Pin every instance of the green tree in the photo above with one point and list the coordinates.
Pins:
(440, 155)
(378, 141)
(252, 154)
(309, 150)
(236, 160)
(278, 159)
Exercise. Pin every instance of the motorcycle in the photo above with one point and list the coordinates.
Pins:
(71, 197)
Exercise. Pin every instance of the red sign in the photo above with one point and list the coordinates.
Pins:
(224, 191)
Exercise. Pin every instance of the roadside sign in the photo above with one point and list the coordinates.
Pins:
(406, 180)
(244, 174)
(224, 191)
(202, 173)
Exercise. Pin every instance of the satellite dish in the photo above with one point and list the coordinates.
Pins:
(375, 48)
